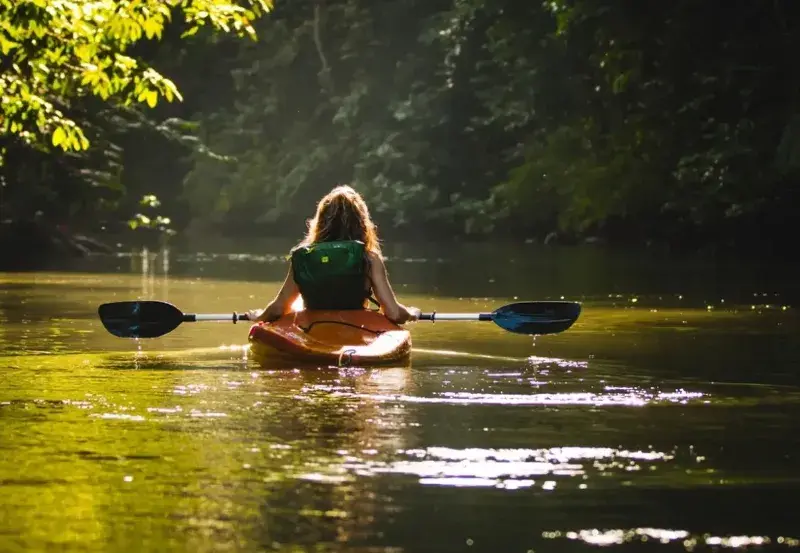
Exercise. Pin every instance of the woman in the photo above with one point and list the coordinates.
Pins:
(338, 264)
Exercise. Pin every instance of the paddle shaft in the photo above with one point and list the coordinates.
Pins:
(455, 317)
(433, 317)
(235, 317)
(197, 317)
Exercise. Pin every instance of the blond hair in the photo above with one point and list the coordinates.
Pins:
(342, 214)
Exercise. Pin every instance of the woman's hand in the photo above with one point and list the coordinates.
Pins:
(413, 313)
(255, 315)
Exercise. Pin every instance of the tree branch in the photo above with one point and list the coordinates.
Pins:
(325, 72)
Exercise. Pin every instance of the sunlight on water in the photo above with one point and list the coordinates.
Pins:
(512, 468)
(663, 536)
(622, 396)
(534, 360)
(182, 443)
(508, 469)
(120, 416)
(455, 354)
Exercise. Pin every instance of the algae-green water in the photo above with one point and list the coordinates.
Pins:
(667, 417)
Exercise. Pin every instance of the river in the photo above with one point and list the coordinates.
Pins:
(668, 415)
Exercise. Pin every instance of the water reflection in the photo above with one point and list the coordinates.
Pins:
(509, 468)
(690, 542)
(612, 395)
(487, 441)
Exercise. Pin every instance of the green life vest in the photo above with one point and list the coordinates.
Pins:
(331, 275)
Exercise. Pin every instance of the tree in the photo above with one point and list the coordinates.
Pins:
(55, 52)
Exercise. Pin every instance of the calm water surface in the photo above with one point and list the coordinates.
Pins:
(667, 418)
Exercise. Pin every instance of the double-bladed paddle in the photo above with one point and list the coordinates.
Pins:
(151, 319)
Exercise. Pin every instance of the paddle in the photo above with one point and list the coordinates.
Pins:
(525, 317)
(151, 319)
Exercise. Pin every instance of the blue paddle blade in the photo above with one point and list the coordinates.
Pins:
(537, 317)
(140, 319)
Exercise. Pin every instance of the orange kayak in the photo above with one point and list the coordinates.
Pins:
(342, 338)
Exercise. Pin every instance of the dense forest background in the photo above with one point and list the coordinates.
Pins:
(625, 121)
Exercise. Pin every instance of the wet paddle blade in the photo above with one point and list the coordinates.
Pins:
(140, 319)
(537, 317)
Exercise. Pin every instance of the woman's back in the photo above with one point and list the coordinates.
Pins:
(339, 262)
(332, 275)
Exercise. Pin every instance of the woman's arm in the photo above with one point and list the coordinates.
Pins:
(394, 311)
(281, 304)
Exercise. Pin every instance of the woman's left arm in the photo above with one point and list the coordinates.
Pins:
(281, 304)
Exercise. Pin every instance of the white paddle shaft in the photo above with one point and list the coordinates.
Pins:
(456, 316)
(216, 317)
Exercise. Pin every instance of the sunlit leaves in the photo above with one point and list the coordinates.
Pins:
(150, 200)
(56, 51)
(69, 137)
(153, 222)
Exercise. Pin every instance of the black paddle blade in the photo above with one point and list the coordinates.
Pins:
(140, 319)
(537, 317)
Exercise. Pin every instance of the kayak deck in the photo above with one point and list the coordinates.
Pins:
(342, 338)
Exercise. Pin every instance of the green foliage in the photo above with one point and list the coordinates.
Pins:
(344, 93)
(149, 203)
(669, 125)
(452, 117)
(56, 51)
(73, 73)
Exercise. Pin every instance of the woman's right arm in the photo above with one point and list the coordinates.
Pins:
(394, 310)
(281, 304)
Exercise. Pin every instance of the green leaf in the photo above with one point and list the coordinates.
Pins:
(82, 140)
(190, 32)
(152, 98)
(7, 45)
(152, 28)
(59, 136)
